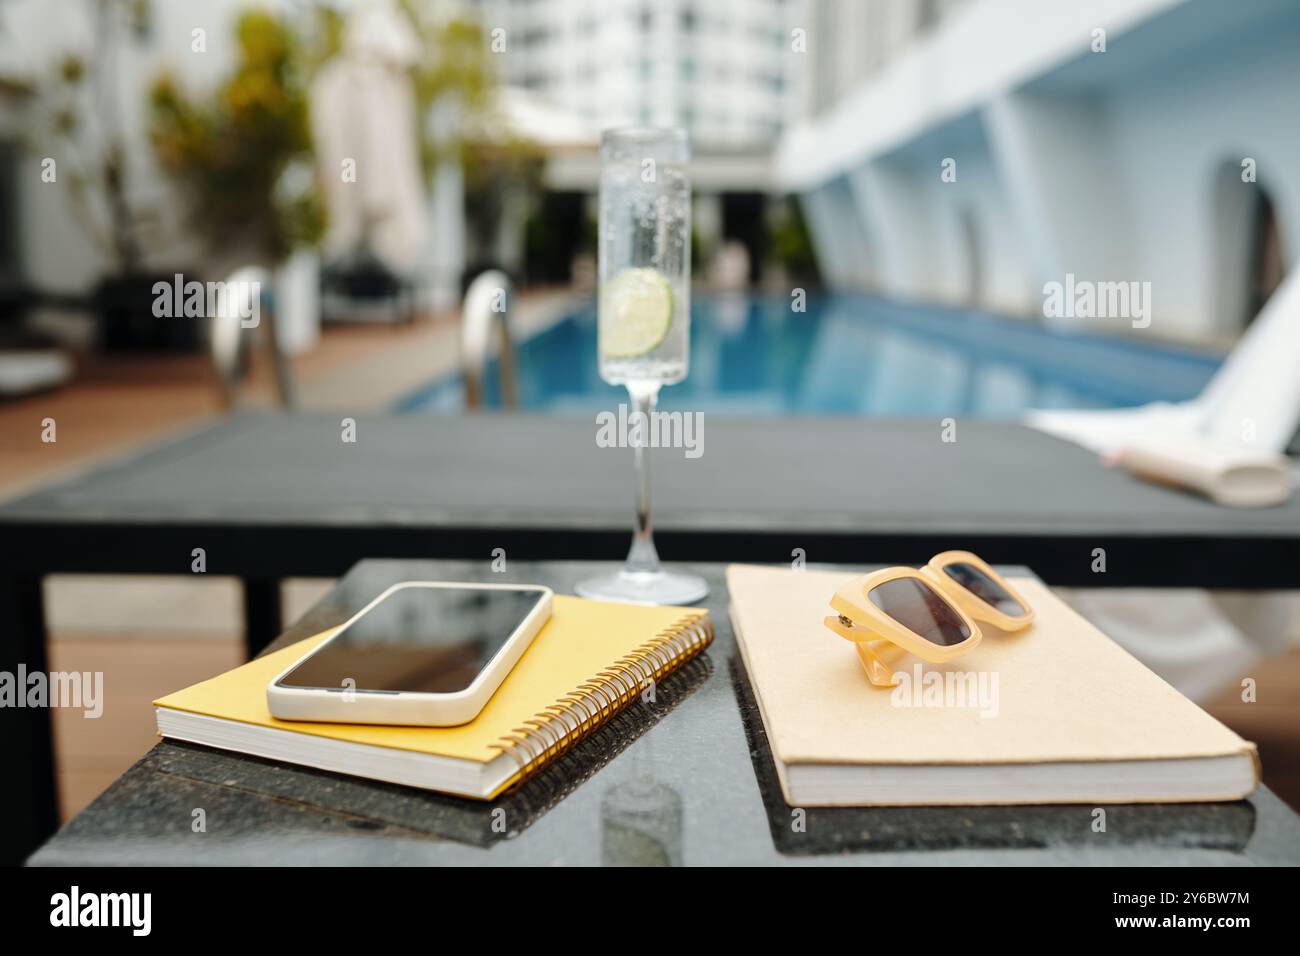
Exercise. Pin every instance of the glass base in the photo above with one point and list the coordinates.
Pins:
(645, 587)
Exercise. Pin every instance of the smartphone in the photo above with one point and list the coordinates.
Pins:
(422, 653)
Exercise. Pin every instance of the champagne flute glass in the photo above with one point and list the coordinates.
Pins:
(644, 322)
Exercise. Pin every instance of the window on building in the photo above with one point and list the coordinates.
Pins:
(1267, 264)
(927, 15)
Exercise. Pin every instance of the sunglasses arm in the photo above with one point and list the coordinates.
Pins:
(871, 650)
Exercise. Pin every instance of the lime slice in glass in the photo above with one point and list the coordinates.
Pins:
(636, 311)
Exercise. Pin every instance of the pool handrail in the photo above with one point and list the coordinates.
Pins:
(228, 328)
(486, 308)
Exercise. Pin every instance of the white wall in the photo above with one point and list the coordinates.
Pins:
(841, 246)
(1007, 285)
(983, 49)
(1177, 130)
(1113, 166)
(914, 224)
(57, 253)
(1059, 160)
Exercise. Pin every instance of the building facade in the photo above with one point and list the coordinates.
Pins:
(977, 151)
(724, 69)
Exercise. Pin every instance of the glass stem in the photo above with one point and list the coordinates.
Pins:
(642, 558)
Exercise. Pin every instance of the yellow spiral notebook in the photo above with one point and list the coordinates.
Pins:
(589, 662)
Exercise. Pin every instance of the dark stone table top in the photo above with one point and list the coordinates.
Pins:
(686, 780)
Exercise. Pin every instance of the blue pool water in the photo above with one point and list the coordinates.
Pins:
(855, 355)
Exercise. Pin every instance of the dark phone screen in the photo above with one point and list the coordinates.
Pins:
(419, 640)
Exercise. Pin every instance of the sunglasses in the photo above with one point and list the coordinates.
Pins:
(931, 612)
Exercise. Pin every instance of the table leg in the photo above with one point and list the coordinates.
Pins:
(29, 797)
(262, 614)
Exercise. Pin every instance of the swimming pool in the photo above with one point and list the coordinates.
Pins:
(856, 355)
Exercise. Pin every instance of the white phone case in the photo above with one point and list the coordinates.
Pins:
(415, 709)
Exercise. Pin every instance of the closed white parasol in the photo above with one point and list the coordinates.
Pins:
(367, 144)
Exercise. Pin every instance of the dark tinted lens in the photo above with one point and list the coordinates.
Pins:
(984, 587)
(920, 608)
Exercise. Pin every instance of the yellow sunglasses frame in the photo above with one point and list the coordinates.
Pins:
(877, 637)
(975, 606)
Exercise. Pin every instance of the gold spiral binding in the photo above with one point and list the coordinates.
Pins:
(550, 732)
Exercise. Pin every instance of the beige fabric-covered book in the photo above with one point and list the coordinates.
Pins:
(1059, 713)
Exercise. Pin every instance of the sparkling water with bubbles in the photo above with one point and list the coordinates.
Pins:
(645, 223)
